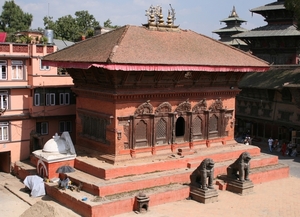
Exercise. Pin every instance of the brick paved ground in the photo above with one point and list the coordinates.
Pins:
(279, 198)
(276, 199)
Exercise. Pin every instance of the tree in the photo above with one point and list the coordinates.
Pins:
(67, 29)
(85, 22)
(294, 5)
(49, 23)
(13, 19)
(72, 28)
(108, 23)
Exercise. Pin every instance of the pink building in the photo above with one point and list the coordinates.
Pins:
(36, 101)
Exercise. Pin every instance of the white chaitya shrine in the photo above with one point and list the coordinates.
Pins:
(58, 148)
(57, 151)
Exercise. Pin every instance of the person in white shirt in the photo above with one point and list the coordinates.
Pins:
(270, 142)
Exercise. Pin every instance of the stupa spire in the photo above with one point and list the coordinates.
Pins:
(234, 13)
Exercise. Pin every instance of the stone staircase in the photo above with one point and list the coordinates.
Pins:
(111, 189)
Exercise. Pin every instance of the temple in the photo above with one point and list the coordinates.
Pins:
(233, 27)
(276, 41)
(152, 103)
(268, 105)
(146, 90)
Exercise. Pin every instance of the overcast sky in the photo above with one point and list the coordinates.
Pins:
(198, 15)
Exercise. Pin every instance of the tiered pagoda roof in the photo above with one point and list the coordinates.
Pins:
(280, 22)
(233, 26)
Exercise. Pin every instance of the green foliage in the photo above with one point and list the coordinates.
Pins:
(13, 19)
(85, 21)
(108, 23)
(67, 28)
(72, 28)
(294, 5)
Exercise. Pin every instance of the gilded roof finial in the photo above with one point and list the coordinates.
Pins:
(156, 21)
(160, 16)
(172, 14)
(151, 15)
(234, 13)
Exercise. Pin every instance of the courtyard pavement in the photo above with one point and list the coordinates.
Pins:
(278, 198)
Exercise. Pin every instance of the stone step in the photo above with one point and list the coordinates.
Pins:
(93, 205)
(21, 169)
(103, 170)
(256, 161)
(185, 151)
(103, 187)
(117, 203)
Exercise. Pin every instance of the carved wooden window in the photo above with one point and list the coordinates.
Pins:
(197, 127)
(180, 127)
(94, 127)
(141, 134)
(213, 124)
(161, 131)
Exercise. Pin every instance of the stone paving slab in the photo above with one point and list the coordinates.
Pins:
(278, 198)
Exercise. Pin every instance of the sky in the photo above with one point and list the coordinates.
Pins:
(198, 15)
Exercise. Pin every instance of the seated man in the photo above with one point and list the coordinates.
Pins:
(64, 182)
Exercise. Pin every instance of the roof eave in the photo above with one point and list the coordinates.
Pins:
(153, 67)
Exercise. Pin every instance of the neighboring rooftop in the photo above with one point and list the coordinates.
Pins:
(279, 5)
(270, 31)
(276, 78)
(61, 44)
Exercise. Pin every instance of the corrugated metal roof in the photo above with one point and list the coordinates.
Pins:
(61, 44)
(270, 31)
(276, 78)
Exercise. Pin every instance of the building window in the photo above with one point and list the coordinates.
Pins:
(53, 96)
(213, 124)
(3, 99)
(3, 65)
(50, 99)
(42, 67)
(17, 69)
(37, 99)
(65, 126)
(3, 131)
(286, 95)
(64, 98)
(42, 128)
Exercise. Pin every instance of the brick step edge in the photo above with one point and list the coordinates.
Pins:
(162, 165)
(104, 188)
(255, 161)
(119, 205)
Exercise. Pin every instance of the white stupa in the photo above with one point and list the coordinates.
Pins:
(59, 148)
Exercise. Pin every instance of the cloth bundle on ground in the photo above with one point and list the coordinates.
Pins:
(36, 185)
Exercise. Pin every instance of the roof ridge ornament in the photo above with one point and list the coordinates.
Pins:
(234, 13)
(156, 21)
(172, 13)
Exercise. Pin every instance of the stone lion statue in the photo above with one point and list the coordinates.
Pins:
(240, 168)
(204, 174)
